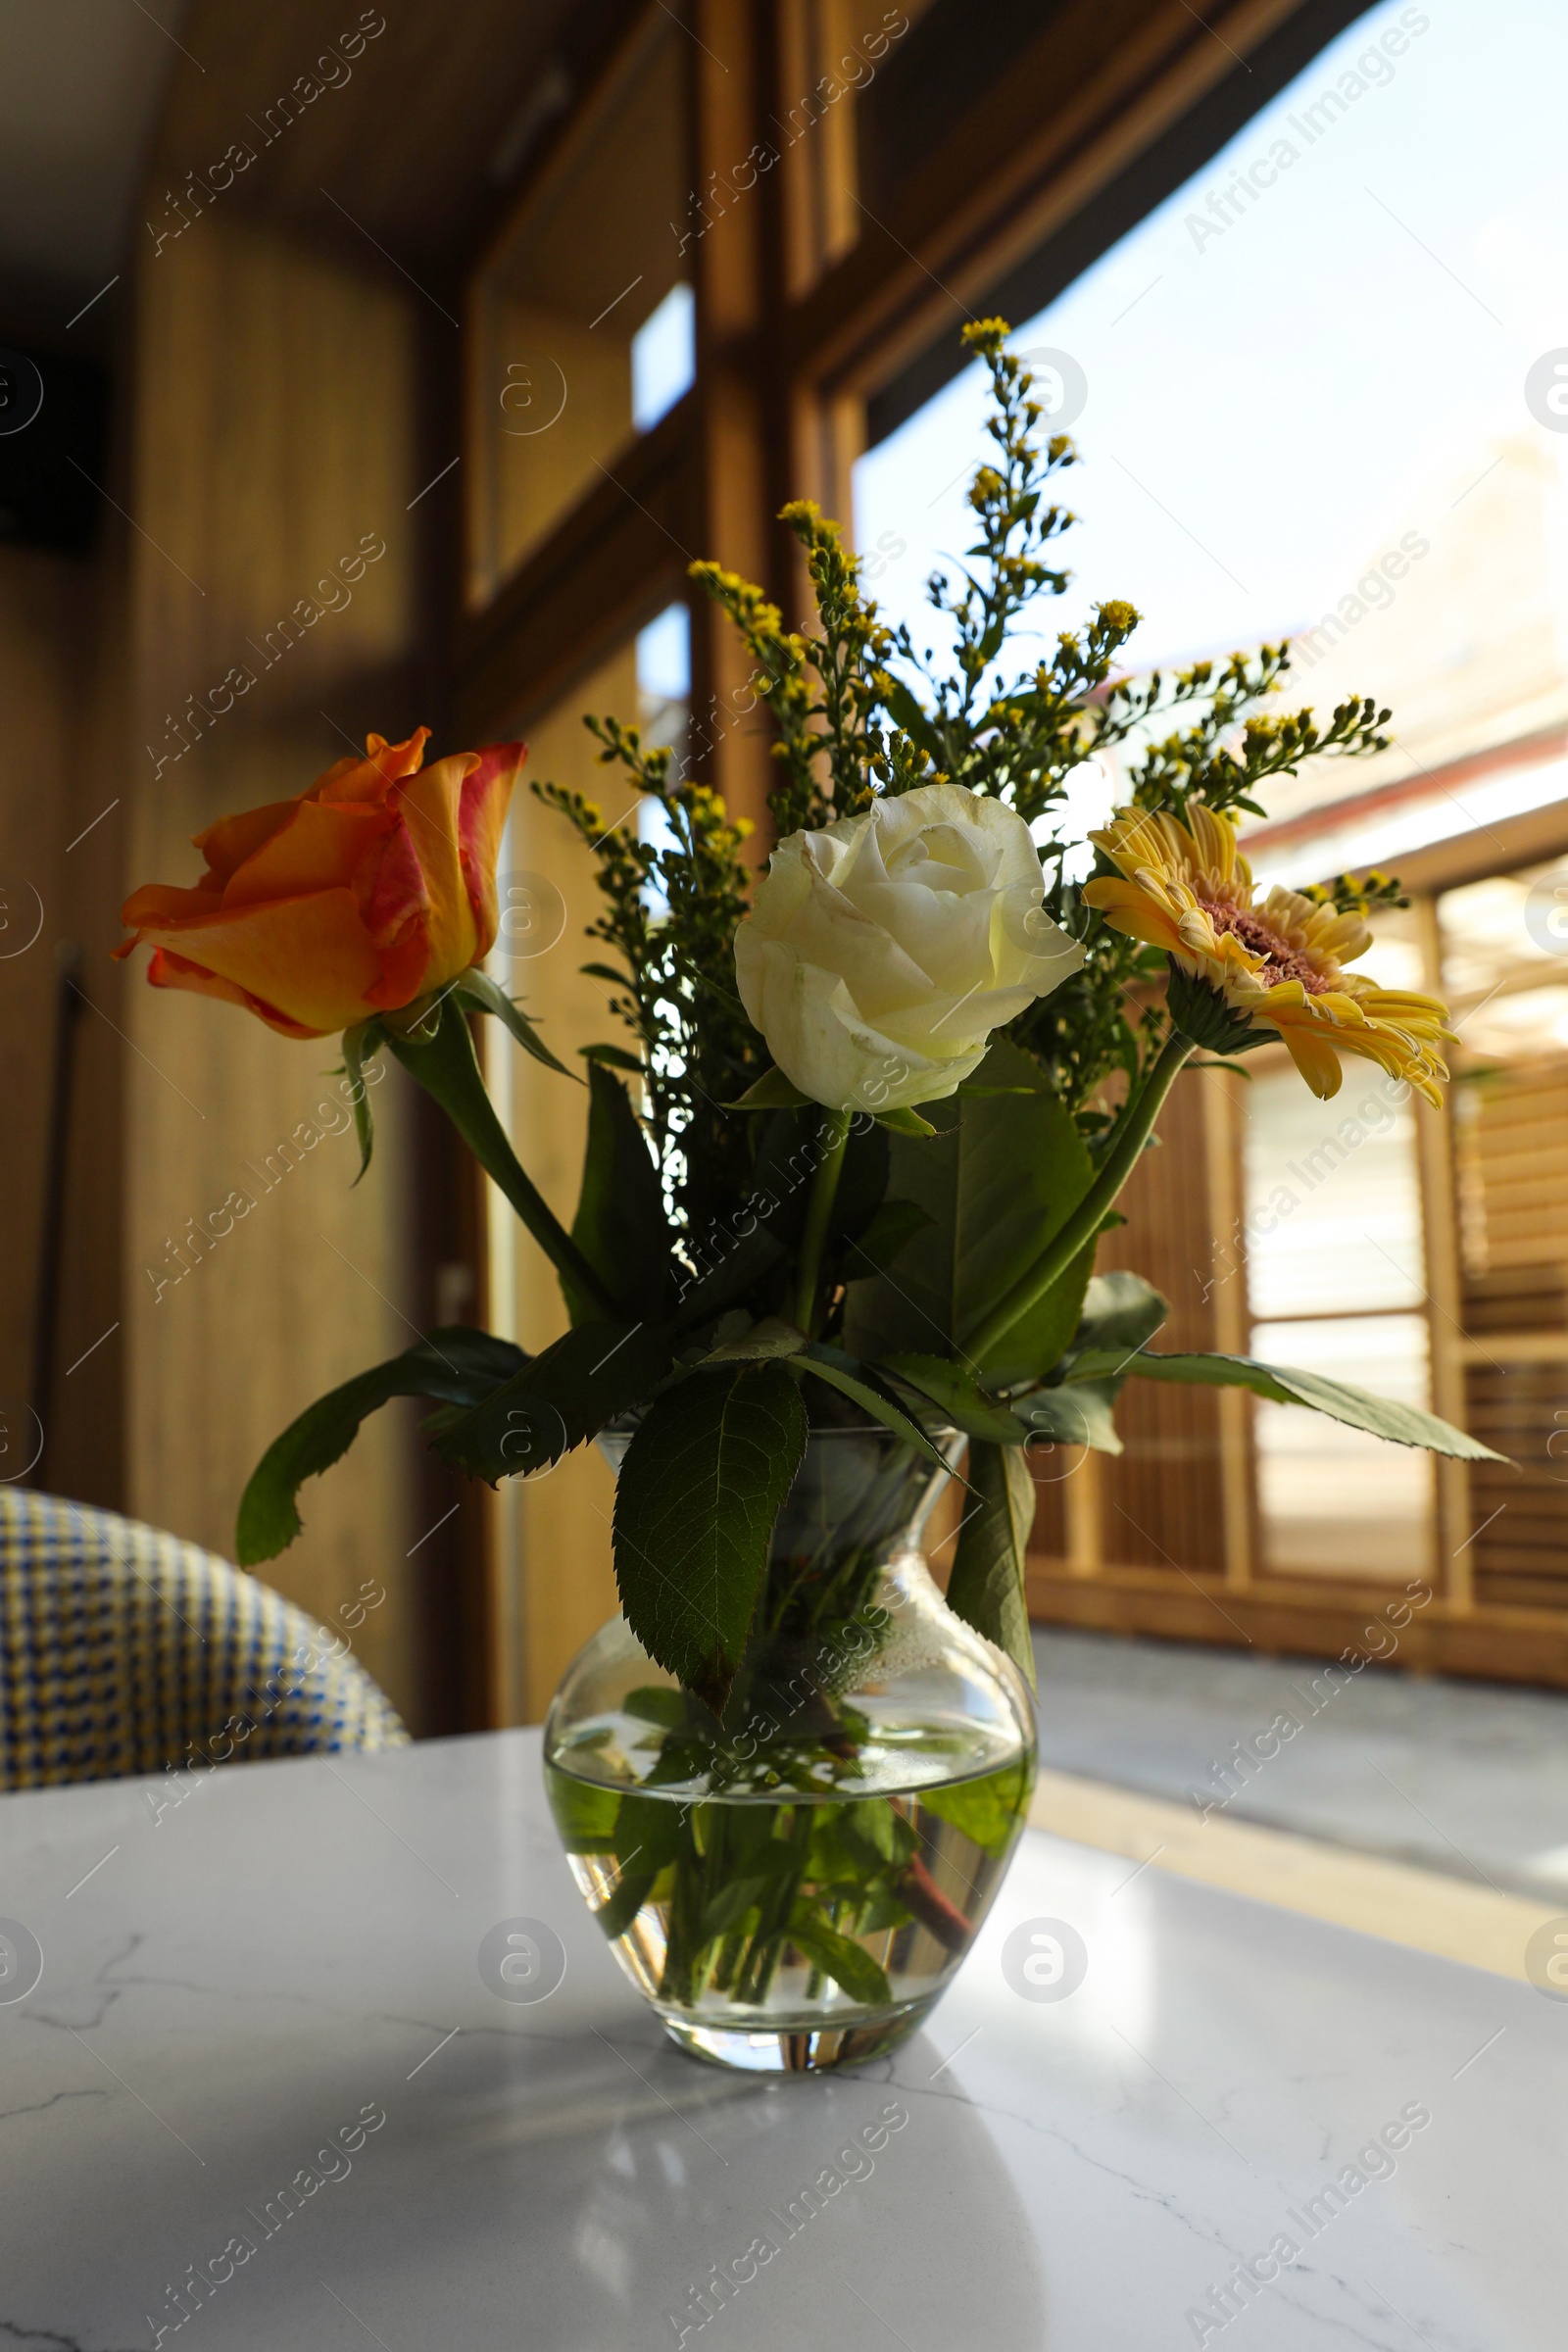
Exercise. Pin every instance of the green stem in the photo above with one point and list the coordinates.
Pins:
(1131, 1134)
(445, 1066)
(819, 1209)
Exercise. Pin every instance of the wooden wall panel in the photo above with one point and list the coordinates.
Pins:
(61, 833)
(273, 438)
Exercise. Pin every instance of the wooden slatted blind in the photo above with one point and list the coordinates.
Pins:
(1511, 1159)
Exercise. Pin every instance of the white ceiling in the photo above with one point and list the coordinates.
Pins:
(80, 81)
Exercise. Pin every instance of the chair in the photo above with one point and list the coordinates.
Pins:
(125, 1651)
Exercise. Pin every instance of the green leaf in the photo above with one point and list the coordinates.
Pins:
(771, 1092)
(700, 1489)
(986, 1586)
(989, 1809)
(1003, 1174)
(358, 1044)
(829, 1365)
(655, 1703)
(851, 1968)
(863, 1180)
(455, 1363)
(621, 1226)
(478, 989)
(590, 1376)
(585, 1814)
(961, 1397)
(711, 1289)
(1079, 1414)
(1283, 1384)
(890, 1232)
(764, 1340)
(1120, 1310)
(905, 1121)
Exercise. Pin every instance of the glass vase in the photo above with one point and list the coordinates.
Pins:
(792, 1884)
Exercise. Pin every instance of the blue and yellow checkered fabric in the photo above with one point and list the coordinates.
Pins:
(125, 1651)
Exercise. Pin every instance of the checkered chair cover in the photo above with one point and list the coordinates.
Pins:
(125, 1651)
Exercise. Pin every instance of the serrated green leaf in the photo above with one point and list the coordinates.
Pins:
(961, 1397)
(764, 1340)
(621, 1226)
(478, 989)
(700, 1489)
(986, 1586)
(1119, 1310)
(1284, 1384)
(707, 1291)
(863, 1388)
(453, 1363)
(590, 1376)
(1079, 1414)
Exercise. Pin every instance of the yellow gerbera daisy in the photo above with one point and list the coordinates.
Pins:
(1274, 965)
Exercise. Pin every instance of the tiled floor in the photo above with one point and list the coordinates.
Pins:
(1466, 1777)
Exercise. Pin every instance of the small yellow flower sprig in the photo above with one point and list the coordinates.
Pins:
(1347, 895)
(671, 915)
(1210, 764)
(827, 692)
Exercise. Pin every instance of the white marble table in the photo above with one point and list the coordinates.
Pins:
(290, 1955)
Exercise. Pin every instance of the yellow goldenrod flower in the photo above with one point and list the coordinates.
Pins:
(1275, 965)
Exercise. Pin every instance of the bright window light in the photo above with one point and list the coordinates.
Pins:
(665, 657)
(663, 358)
(663, 693)
(1250, 438)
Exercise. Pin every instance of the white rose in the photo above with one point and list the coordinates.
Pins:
(881, 952)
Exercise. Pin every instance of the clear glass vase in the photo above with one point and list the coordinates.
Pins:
(792, 1885)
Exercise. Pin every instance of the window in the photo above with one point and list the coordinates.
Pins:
(663, 356)
(1335, 1285)
(581, 323)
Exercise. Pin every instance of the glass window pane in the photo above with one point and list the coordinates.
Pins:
(1505, 962)
(663, 356)
(583, 320)
(1332, 1500)
(664, 696)
(1419, 564)
(1333, 1195)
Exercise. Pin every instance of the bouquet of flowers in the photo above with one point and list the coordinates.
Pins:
(866, 1117)
(849, 1157)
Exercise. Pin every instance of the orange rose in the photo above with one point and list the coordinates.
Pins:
(375, 887)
